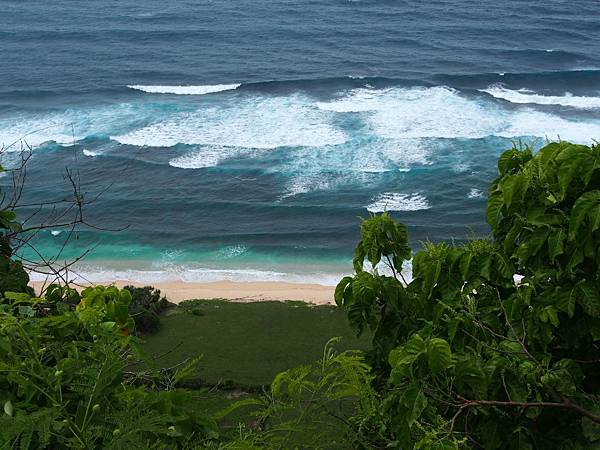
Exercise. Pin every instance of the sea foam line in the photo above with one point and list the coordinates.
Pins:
(523, 96)
(394, 201)
(103, 275)
(185, 90)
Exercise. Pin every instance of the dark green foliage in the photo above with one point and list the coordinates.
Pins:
(64, 381)
(145, 308)
(467, 357)
(314, 406)
(13, 277)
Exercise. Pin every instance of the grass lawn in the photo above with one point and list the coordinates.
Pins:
(247, 344)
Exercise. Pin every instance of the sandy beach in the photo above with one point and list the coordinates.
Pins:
(178, 291)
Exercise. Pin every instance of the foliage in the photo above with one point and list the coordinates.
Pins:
(464, 355)
(313, 406)
(12, 275)
(64, 381)
(145, 307)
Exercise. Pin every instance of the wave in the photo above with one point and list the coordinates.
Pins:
(91, 153)
(393, 201)
(206, 156)
(254, 122)
(582, 80)
(444, 112)
(185, 90)
(386, 121)
(528, 96)
(73, 125)
(185, 274)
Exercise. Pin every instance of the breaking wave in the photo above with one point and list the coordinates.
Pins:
(185, 90)
(393, 201)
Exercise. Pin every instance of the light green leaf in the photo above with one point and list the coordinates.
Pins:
(514, 188)
(8, 408)
(439, 355)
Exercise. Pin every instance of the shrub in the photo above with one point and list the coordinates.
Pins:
(465, 356)
(145, 307)
(64, 380)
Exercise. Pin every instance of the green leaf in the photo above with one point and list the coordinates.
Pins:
(402, 358)
(572, 160)
(504, 265)
(556, 243)
(340, 290)
(439, 355)
(589, 299)
(8, 408)
(584, 205)
(415, 401)
(494, 206)
(514, 188)
(532, 243)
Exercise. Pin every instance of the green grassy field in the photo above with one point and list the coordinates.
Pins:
(247, 344)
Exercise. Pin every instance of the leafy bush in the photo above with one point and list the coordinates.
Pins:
(145, 308)
(64, 381)
(313, 406)
(464, 355)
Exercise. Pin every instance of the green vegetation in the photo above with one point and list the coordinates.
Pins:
(145, 307)
(467, 357)
(64, 383)
(493, 344)
(248, 344)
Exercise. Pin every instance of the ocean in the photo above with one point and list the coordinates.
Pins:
(244, 140)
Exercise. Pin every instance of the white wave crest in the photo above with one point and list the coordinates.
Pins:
(185, 90)
(72, 125)
(527, 96)
(443, 112)
(254, 122)
(393, 201)
(91, 153)
(205, 156)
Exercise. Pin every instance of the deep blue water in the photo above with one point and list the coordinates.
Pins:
(292, 119)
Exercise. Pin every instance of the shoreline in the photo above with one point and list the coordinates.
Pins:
(244, 291)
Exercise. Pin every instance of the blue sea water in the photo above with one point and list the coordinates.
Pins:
(242, 140)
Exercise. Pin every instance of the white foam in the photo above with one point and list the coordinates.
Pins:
(443, 112)
(303, 184)
(460, 167)
(254, 122)
(185, 90)
(71, 125)
(529, 122)
(91, 153)
(393, 201)
(205, 156)
(527, 96)
(194, 275)
(419, 112)
(55, 232)
(475, 193)
(232, 251)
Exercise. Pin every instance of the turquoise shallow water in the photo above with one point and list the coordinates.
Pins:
(242, 140)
